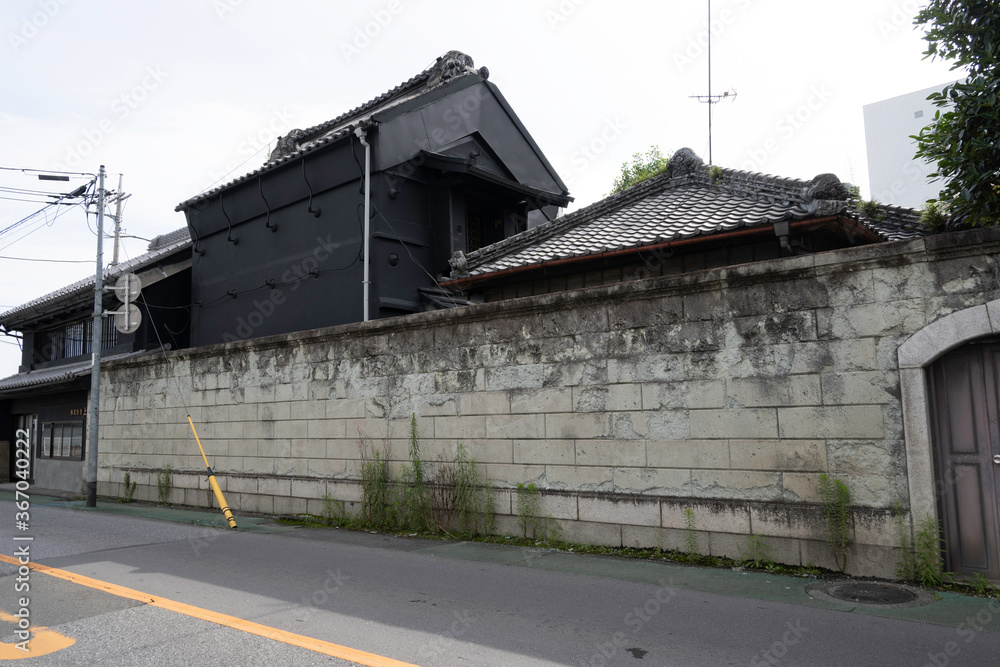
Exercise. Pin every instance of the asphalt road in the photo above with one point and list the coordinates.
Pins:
(434, 603)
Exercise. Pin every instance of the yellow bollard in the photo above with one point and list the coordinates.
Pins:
(212, 481)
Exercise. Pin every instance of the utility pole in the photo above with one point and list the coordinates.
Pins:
(95, 370)
(118, 219)
(711, 99)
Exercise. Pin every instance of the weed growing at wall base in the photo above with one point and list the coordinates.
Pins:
(690, 536)
(928, 550)
(455, 494)
(333, 510)
(755, 554)
(128, 489)
(375, 506)
(527, 508)
(837, 511)
(163, 485)
(413, 507)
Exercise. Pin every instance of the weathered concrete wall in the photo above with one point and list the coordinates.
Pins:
(727, 390)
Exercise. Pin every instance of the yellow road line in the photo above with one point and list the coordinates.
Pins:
(317, 645)
(42, 642)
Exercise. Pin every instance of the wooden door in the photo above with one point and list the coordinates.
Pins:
(964, 390)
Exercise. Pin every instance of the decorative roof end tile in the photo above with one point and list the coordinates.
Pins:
(684, 162)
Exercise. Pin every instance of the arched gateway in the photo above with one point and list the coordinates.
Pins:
(950, 377)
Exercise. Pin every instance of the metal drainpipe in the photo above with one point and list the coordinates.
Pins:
(360, 132)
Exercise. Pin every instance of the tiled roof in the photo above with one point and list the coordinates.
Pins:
(159, 248)
(54, 375)
(451, 65)
(689, 200)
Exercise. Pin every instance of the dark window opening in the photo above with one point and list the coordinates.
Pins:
(489, 223)
(74, 340)
(61, 440)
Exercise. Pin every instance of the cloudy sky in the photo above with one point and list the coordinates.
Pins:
(178, 96)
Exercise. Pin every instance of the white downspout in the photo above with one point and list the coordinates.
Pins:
(360, 132)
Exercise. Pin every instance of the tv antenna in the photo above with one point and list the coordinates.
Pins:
(711, 99)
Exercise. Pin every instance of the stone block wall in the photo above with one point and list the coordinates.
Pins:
(727, 390)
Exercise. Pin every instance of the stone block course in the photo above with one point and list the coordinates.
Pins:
(583, 478)
(308, 488)
(620, 510)
(298, 428)
(557, 452)
(458, 428)
(735, 423)
(577, 426)
(611, 453)
(692, 394)
(485, 403)
(864, 421)
(325, 428)
(687, 453)
(518, 426)
(722, 517)
(801, 487)
(875, 319)
(784, 390)
(736, 484)
(588, 532)
(860, 387)
(609, 398)
(651, 481)
(778, 454)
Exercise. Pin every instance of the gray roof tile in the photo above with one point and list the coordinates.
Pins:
(160, 247)
(54, 375)
(687, 201)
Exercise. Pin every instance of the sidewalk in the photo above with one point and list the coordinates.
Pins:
(52, 498)
(939, 608)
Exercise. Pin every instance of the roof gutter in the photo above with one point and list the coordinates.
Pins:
(725, 236)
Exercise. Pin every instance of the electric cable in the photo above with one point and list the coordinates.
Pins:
(38, 201)
(447, 293)
(27, 170)
(41, 223)
(53, 261)
(223, 177)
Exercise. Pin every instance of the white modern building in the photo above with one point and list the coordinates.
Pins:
(895, 176)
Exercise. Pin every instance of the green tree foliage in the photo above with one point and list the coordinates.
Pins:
(641, 168)
(964, 138)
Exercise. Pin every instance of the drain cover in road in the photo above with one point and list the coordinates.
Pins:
(871, 593)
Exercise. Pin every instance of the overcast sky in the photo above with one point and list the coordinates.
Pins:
(180, 95)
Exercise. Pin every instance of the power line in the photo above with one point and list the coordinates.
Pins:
(27, 170)
(54, 261)
(41, 223)
(224, 176)
(82, 193)
(30, 191)
(38, 201)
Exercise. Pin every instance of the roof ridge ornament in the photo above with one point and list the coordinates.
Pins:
(825, 195)
(450, 65)
(285, 145)
(825, 186)
(459, 264)
(684, 162)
